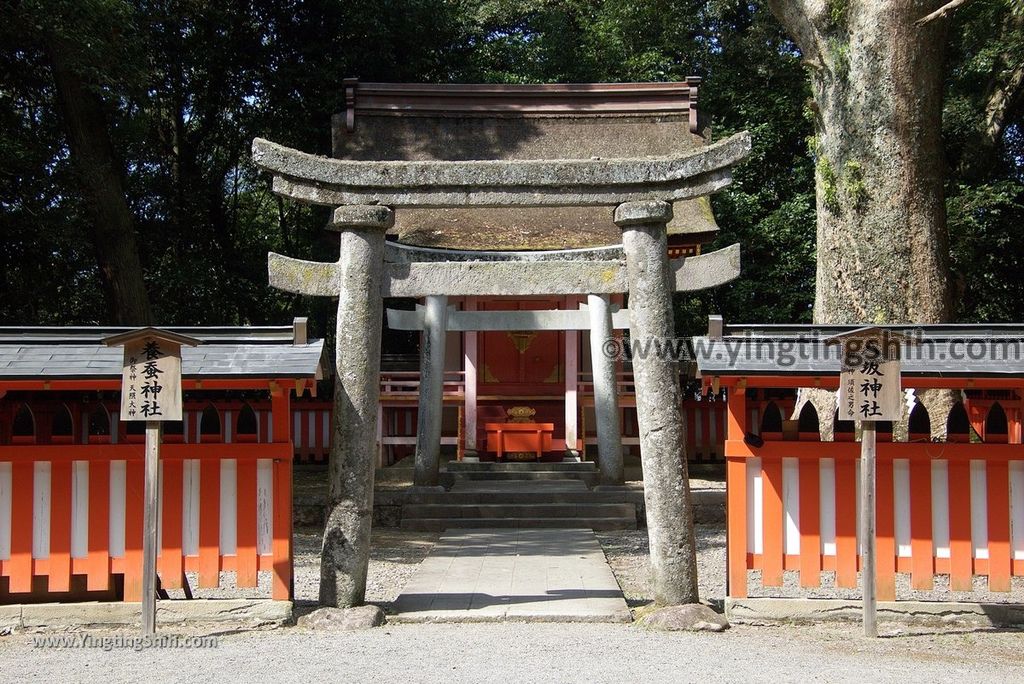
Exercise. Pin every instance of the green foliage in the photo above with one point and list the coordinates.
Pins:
(837, 10)
(829, 184)
(854, 187)
(985, 189)
(188, 85)
(984, 228)
(839, 57)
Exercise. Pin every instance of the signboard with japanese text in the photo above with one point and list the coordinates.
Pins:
(151, 380)
(871, 391)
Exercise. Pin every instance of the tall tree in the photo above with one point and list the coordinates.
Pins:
(983, 127)
(877, 78)
(83, 45)
(101, 179)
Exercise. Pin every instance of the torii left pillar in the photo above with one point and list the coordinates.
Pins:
(431, 396)
(346, 548)
(658, 402)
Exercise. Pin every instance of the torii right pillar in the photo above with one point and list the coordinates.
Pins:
(658, 402)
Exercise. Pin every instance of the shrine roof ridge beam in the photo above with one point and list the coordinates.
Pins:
(490, 183)
(465, 321)
(808, 331)
(264, 334)
(398, 253)
(503, 277)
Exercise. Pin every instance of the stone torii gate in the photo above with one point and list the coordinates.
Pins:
(435, 319)
(365, 193)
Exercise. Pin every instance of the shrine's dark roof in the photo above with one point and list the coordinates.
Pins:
(800, 350)
(418, 122)
(73, 353)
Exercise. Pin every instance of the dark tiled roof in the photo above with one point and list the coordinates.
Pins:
(425, 122)
(942, 351)
(79, 353)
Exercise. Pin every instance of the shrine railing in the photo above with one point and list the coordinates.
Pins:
(405, 385)
(953, 508)
(76, 509)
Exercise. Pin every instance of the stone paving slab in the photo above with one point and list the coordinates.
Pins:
(243, 612)
(487, 575)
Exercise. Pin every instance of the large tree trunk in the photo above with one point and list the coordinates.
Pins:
(877, 83)
(100, 174)
(882, 243)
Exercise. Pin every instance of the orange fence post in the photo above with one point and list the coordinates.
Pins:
(885, 532)
(171, 561)
(22, 477)
(810, 523)
(282, 524)
(961, 567)
(133, 500)
(922, 562)
(282, 545)
(60, 526)
(98, 574)
(209, 523)
(846, 523)
(771, 478)
(246, 551)
(736, 496)
(998, 486)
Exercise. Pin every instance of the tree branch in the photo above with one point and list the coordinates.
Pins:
(1001, 101)
(793, 16)
(942, 12)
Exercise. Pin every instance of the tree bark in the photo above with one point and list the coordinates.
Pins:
(882, 242)
(877, 83)
(112, 232)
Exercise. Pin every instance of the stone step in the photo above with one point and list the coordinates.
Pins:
(520, 510)
(474, 498)
(441, 524)
(554, 466)
(591, 477)
(519, 486)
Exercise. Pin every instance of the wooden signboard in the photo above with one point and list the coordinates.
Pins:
(151, 380)
(150, 392)
(871, 391)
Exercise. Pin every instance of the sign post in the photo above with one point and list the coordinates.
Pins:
(150, 392)
(870, 390)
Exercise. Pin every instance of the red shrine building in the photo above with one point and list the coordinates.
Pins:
(488, 373)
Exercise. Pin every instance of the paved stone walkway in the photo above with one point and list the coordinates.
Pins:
(518, 574)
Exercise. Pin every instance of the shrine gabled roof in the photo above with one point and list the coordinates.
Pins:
(969, 350)
(459, 122)
(76, 353)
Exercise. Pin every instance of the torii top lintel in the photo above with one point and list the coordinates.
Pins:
(500, 183)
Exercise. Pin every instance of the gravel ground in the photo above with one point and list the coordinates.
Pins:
(396, 554)
(394, 557)
(628, 555)
(519, 652)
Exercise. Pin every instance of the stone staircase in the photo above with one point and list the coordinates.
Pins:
(464, 471)
(520, 495)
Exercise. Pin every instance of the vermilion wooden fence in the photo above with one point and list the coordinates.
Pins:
(76, 509)
(706, 420)
(950, 508)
